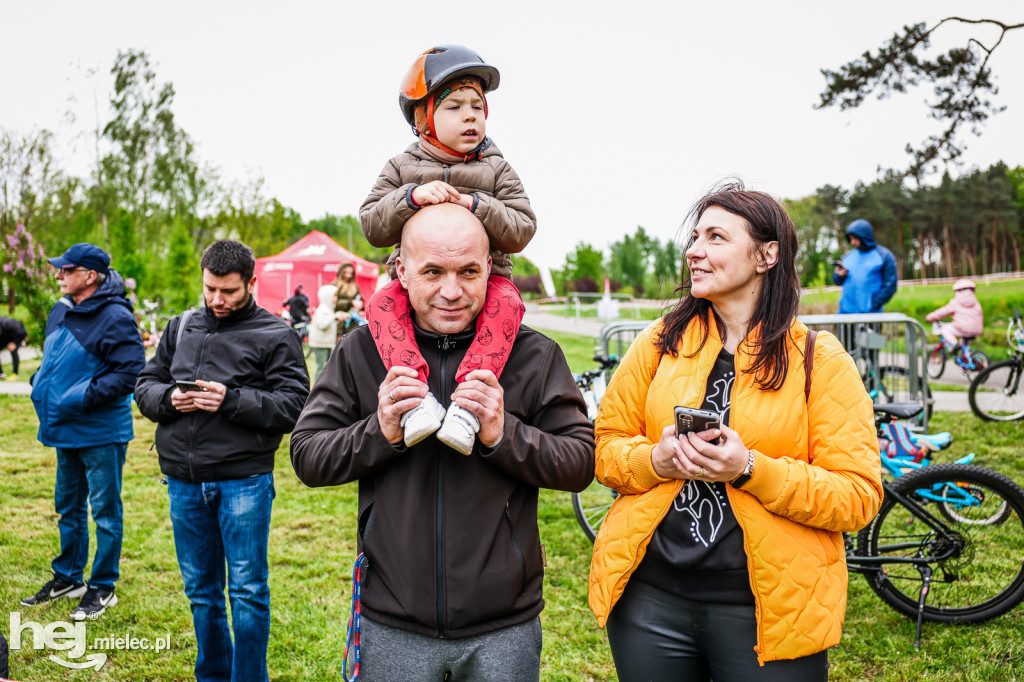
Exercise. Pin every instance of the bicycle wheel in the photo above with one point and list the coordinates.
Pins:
(965, 503)
(591, 506)
(978, 568)
(980, 360)
(937, 362)
(996, 393)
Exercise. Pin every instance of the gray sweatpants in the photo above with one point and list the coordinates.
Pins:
(388, 654)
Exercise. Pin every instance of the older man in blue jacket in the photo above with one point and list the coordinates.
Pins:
(82, 394)
(867, 273)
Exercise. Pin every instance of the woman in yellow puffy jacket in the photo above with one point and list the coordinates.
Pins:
(722, 557)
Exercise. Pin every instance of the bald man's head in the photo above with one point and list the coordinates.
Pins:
(444, 264)
(455, 225)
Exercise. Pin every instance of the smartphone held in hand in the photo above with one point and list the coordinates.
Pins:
(689, 420)
(186, 386)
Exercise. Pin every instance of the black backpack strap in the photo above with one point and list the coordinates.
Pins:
(183, 321)
(812, 336)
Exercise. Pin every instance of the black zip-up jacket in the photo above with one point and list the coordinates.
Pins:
(259, 359)
(452, 541)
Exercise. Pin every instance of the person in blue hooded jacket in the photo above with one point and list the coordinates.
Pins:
(82, 395)
(867, 273)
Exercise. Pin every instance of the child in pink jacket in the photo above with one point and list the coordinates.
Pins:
(968, 317)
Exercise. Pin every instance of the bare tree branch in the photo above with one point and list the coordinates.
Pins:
(961, 78)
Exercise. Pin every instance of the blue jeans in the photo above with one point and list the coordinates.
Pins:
(89, 476)
(217, 523)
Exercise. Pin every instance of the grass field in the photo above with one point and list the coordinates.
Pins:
(312, 547)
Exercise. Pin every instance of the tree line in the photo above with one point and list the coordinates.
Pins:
(153, 204)
(968, 226)
(149, 200)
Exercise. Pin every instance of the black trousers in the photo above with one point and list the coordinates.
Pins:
(656, 635)
(14, 361)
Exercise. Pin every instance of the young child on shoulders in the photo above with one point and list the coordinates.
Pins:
(968, 317)
(443, 98)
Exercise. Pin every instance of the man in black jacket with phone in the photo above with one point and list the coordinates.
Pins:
(216, 447)
(455, 565)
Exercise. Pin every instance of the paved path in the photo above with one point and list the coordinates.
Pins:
(584, 326)
(15, 387)
(951, 401)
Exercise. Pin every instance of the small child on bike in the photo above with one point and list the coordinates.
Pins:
(968, 317)
(443, 98)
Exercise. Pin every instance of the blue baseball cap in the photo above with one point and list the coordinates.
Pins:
(84, 255)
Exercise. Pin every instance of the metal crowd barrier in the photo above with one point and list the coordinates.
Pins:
(890, 350)
(616, 337)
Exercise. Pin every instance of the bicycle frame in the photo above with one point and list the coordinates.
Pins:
(961, 353)
(897, 466)
(870, 566)
(1014, 384)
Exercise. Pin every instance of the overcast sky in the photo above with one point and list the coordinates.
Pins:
(614, 114)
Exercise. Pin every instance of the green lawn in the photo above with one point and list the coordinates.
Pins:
(313, 545)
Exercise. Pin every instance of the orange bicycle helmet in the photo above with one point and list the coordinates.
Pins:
(437, 65)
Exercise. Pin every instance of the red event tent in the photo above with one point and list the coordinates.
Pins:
(312, 261)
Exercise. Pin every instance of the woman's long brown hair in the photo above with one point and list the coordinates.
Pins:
(766, 221)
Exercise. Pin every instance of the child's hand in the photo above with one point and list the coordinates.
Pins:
(464, 200)
(436, 192)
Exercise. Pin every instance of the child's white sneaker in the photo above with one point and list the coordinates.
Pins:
(459, 429)
(420, 422)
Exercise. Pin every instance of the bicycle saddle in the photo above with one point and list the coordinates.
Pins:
(904, 410)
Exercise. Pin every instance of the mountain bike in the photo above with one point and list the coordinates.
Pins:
(965, 357)
(996, 393)
(945, 546)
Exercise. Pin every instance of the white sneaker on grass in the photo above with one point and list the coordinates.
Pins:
(459, 429)
(421, 421)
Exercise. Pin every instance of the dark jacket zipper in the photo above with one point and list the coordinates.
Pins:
(515, 544)
(444, 345)
(191, 417)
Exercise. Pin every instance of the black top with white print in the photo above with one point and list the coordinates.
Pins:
(697, 549)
